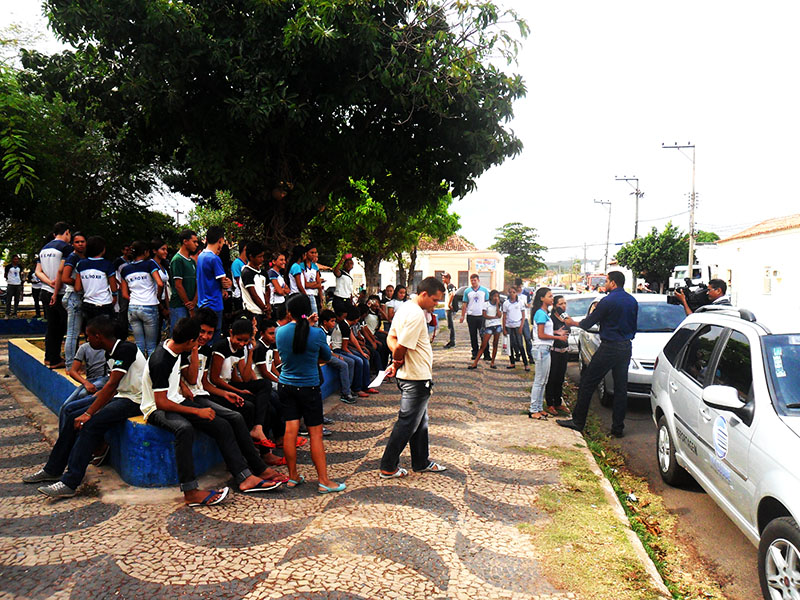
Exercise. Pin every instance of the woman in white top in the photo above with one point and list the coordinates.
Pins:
(396, 301)
(492, 327)
(343, 294)
(542, 343)
(278, 289)
(141, 286)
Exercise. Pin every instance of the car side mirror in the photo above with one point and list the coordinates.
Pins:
(722, 397)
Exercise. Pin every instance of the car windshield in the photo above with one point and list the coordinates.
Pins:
(578, 307)
(655, 316)
(782, 357)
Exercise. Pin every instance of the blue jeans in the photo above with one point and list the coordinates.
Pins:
(144, 323)
(73, 449)
(541, 356)
(610, 356)
(72, 304)
(313, 300)
(78, 401)
(362, 376)
(175, 315)
(411, 427)
(345, 371)
(353, 369)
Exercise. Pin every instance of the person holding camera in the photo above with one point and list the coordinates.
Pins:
(717, 290)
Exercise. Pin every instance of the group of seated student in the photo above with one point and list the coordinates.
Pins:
(178, 389)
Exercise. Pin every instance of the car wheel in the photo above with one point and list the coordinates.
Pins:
(671, 472)
(606, 396)
(779, 559)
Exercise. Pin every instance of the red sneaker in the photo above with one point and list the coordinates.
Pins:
(372, 391)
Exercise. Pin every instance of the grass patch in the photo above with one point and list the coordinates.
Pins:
(583, 546)
(685, 576)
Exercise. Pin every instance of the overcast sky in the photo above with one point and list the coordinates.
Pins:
(608, 83)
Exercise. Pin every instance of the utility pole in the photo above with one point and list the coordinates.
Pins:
(583, 270)
(634, 183)
(608, 231)
(692, 200)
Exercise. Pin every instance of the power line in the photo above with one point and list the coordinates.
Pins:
(667, 217)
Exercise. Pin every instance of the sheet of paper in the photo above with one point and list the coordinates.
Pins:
(378, 379)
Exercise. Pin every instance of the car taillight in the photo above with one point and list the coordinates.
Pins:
(655, 364)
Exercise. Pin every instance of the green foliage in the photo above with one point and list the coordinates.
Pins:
(374, 226)
(58, 165)
(518, 244)
(704, 237)
(282, 103)
(654, 255)
(16, 167)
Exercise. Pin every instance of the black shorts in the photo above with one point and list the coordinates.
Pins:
(301, 402)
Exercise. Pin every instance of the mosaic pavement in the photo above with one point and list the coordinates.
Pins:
(428, 536)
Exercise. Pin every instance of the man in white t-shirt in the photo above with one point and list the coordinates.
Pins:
(472, 306)
(413, 364)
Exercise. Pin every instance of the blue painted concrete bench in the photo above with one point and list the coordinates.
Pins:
(142, 454)
(22, 327)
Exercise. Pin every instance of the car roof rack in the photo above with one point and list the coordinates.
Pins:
(742, 313)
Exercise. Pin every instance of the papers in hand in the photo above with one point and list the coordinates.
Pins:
(378, 379)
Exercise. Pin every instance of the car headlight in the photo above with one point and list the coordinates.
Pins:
(634, 364)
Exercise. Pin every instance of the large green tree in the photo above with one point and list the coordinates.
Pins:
(282, 103)
(374, 226)
(654, 255)
(57, 165)
(523, 254)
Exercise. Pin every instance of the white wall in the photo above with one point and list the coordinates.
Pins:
(763, 272)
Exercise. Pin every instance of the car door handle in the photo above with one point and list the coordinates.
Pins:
(706, 414)
(673, 387)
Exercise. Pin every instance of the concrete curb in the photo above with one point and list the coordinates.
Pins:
(619, 511)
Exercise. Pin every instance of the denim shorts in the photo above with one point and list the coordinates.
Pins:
(492, 329)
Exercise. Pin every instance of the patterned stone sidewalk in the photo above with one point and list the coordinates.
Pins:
(428, 536)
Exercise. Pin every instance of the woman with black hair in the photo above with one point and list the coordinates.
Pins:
(296, 275)
(400, 295)
(160, 252)
(558, 359)
(312, 281)
(543, 338)
(302, 348)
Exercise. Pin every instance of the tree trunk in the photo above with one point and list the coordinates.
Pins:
(401, 269)
(372, 263)
(411, 266)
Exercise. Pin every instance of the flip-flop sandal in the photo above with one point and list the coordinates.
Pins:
(294, 483)
(265, 443)
(492, 366)
(472, 367)
(301, 441)
(324, 489)
(280, 463)
(401, 472)
(434, 467)
(265, 485)
(223, 493)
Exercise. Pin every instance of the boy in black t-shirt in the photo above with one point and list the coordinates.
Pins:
(166, 404)
(84, 430)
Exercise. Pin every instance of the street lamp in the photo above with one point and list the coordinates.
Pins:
(608, 231)
(692, 200)
(639, 194)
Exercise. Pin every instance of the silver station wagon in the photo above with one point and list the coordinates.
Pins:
(726, 402)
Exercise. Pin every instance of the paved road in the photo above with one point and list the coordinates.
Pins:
(703, 525)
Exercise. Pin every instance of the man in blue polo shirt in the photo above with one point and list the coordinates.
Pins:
(472, 306)
(211, 277)
(617, 314)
